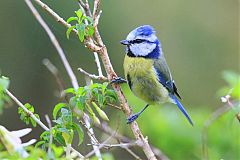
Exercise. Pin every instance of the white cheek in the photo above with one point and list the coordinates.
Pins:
(142, 49)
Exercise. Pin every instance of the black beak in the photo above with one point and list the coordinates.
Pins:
(124, 42)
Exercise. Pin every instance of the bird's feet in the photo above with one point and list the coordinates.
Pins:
(118, 80)
(132, 118)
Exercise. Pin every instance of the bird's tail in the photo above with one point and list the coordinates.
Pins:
(180, 106)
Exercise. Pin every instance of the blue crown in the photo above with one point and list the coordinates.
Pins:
(145, 30)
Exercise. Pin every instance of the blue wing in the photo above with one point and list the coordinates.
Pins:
(165, 78)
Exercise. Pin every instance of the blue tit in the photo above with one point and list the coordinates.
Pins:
(147, 72)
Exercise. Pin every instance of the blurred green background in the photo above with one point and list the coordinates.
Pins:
(200, 39)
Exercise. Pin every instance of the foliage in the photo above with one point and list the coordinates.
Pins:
(25, 117)
(84, 30)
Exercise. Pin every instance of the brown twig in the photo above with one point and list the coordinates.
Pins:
(103, 53)
(62, 56)
(108, 130)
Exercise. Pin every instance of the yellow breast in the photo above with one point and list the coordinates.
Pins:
(143, 80)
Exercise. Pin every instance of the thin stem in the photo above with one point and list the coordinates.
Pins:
(93, 76)
(50, 132)
(55, 43)
(53, 69)
(103, 53)
(34, 117)
(26, 110)
(62, 56)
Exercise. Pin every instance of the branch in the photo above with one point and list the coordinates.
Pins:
(34, 117)
(63, 58)
(86, 10)
(103, 53)
(93, 76)
(50, 132)
(53, 69)
(26, 110)
(108, 130)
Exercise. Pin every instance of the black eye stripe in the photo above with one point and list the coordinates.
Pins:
(137, 41)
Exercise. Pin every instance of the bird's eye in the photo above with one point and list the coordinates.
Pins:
(138, 41)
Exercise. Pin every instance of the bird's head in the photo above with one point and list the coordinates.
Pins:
(142, 42)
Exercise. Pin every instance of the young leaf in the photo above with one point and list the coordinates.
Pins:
(70, 90)
(96, 120)
(39, 143)
(79, 13)
(81, 29)
(101, 113)
(29, 107)
(70, 19)
(79, 130)
(90, 30)
(57, 108)
(69, 30)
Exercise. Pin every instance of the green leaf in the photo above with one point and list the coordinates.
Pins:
(101, 113)
(58, 151)
(45, 136)
(79, 13)
(80, 132)
(90, 30)
(59, 138)
(33, 122)
(4, 82)
(96, 120)
(57, 108)
(90, 110)
(39, 143)
(89, 19)
(29, 107)
(81, 29)
(70, 90)
(69, 30)
(70, 19)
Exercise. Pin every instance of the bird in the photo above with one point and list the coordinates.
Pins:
(146, 71)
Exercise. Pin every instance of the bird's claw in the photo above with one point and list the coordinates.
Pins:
(132, 118)
(118, 80)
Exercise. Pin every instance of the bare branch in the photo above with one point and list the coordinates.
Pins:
(34, 117)
(26, 110)
(82, 4)
(100, 74)
(55, 43)
(132, 153)
(97, 18)
(93, 76)
(115, 106)
(63, 58)
(53, 69)
(96, 8)
(87, 10)
(50, 132)
(108, 130)
(117, 145)
(102, 50)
